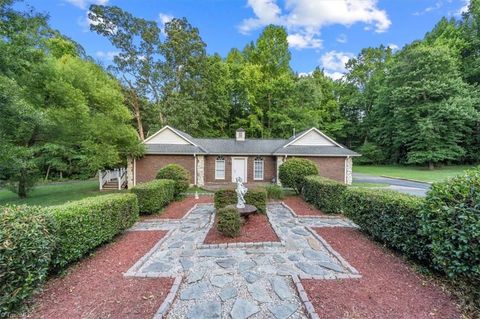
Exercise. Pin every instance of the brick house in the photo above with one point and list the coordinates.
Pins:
(218, 161)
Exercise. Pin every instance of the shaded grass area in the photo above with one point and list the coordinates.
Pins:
(54, 193)
(413, 172)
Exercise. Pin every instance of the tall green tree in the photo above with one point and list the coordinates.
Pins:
(60, 112)
(359, 91)
(425, 108)
(138, 63)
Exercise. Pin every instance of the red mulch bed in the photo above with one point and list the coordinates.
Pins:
(388, 288)
(178, 209)
(256, 229)
(96, 288)
(302, 208)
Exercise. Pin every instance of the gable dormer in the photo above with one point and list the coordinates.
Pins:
(167, 135)
(312, 137)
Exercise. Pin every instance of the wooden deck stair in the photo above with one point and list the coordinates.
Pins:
(111, 185)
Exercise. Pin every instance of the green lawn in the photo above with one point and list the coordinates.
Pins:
(410, 172)
(54, 193)
(368, 185)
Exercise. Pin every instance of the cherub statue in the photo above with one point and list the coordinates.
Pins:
(241, 191)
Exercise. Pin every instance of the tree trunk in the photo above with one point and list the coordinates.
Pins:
(48, 173)
(430, 165)
(22, 187)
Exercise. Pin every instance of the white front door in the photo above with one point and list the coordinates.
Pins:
(239, 169)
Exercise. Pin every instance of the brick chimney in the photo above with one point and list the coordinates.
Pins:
(240, 135)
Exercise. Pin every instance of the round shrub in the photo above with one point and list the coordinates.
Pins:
(229, 222)
(451, 219)
(26, 245)
(179, 174)
(292, 173)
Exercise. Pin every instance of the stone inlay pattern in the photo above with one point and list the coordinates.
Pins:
(243, 280)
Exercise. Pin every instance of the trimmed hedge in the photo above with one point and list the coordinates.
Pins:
(229, 221)
(255, 196)
(177, 173)
(26, 244)
(451, 218)
(83, 225)
(324, 194)
(391, 218)
(292, 173)
(154, 195)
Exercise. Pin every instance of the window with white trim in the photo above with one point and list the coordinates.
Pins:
(258, 168)
(220, 168)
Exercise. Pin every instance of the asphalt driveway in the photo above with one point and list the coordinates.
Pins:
(399, 185)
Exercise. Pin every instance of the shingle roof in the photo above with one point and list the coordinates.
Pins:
(225, 146)
(173, 149)
(231, 146)
(315, 151)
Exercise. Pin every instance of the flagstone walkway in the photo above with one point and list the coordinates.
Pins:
(242, 280)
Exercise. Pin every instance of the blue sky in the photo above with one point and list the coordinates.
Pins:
(322, 33)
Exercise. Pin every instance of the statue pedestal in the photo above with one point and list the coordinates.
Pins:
(246, 211)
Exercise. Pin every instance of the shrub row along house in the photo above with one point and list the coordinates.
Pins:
(219, 161)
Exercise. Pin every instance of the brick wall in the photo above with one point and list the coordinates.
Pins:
(268, 169)
(330, 167)
(148, 166)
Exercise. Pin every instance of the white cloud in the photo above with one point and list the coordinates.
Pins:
(106, 55)
(83, 4)
(333, 75)
(305, 74)
(266, 12)
(464, 8)
(304, 19)
(164, 18)
(342, 38)
(333, 63)
(393, 46)
(303, 41)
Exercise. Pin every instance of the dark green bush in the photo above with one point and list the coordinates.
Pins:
(154, 195)
(391, 218)
(177, 173)
(292, 173)
(275, 192)
(451, 218)
(255, 196)
(229, 222)
(324, 194)
(83, 225)
(26, 244)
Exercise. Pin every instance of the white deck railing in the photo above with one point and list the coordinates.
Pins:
(118, 174)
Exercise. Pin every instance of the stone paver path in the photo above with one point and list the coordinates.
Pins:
(246, 280)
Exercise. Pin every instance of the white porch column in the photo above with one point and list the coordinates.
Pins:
(280, 160)
(130, 182)
(348, 170)
(200, 170)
